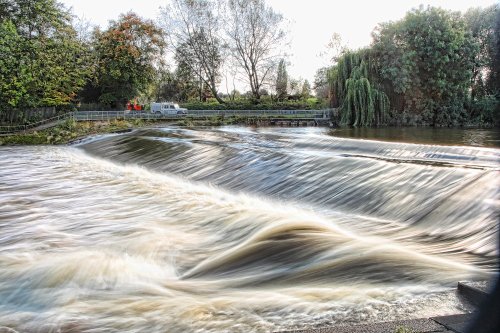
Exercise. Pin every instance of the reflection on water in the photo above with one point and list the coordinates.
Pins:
(240, 230)
(425, 135)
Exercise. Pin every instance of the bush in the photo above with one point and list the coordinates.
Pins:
(264, 104)
(485, 111)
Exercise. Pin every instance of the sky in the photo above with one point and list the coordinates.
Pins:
(310, 24)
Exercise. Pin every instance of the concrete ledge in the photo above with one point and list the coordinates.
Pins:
(455, 323)
(416, 325)
(475, 293)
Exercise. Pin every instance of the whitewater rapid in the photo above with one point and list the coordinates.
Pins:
(240, 230)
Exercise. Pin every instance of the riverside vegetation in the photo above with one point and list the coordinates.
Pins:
(71, 130)
(68, 131)
(433, 67)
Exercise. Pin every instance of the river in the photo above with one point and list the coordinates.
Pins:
(237, 229)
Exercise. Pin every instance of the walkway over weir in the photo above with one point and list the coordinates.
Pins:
(205, 114)
(273, 115)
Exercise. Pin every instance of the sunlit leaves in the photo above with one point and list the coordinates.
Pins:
(129, 55)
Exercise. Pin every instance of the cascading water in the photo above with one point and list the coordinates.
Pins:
(240, 230)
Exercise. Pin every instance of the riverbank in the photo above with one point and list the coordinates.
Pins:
(71, 130)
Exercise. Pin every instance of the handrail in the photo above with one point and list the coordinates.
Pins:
(106, 115)
(197, 114)
(20, 128)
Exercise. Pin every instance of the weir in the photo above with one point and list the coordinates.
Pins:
(238, 229)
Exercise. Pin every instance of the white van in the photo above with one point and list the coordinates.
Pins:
(167, 108)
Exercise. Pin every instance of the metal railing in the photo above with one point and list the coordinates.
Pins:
(22, 128)
(197, 114)
(312, 114)
(192, 114)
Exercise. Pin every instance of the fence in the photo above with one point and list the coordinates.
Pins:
(21, 128)
(192, 114)
(28, 115)
(200, 114)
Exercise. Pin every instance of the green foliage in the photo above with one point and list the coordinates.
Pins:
(245, 104)
(306, 90)
(425, 64)
(481, 23)
(361, 104)
(127, 54)
(281, 81)
(14, 74)
(403, 329)
(42, 63)
(320, 85)
(69, 131)
(434, 67)
(485, 110)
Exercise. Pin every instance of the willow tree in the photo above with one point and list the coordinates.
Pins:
(355, 92)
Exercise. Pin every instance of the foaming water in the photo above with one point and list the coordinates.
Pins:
(235, 229)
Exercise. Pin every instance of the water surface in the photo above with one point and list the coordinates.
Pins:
(237, 229)
(425, 135)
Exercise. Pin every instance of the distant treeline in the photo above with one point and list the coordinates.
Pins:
(434, 67)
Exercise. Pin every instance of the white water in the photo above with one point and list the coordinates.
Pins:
(239, 230)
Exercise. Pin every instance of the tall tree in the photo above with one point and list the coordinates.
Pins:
(306, 89)
(361, 101)
(481, 23)
(14, 73)
(320, 84)
(129, 55)
(48, 63)
(494, 77)
(256, 37)
(194, 28)
(281, 81)
(428, 59)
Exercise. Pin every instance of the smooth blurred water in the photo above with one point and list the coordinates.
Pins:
(424, 135)
(237, 229)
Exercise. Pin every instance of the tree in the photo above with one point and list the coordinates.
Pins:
(194, 30)
(481, 23)
(175, 86)
(306, 90)
(334, 48)
(426, 61)
(48, 64)
(281, 81)
(35, 18)
(494, 76)
(129, 55)
(294, 86)
(361, 102)
(255, 35)
(14, 73)
(320, 84)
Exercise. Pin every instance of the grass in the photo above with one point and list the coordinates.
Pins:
(69, 131)
(403, 329)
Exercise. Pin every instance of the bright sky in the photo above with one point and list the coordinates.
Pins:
(312, 22)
